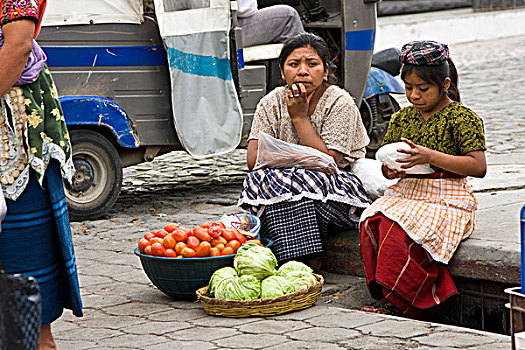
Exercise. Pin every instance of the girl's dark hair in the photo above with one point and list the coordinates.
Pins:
(436, 74)
(308, 40)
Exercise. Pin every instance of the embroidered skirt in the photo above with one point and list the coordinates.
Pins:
(299, 207)
(400, 270)
(36, 241)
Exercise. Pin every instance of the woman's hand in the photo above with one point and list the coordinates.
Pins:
(392, 173)
(297, 102)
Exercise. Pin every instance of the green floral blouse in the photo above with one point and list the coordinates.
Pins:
(455, 130)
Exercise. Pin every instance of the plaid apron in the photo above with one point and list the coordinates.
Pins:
(436, 213)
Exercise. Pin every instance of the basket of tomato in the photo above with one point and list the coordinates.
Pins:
(180, 260)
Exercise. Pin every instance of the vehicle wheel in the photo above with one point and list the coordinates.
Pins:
(384, 106)
(98, 176)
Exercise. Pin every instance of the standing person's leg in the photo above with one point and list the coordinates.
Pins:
(274, 24)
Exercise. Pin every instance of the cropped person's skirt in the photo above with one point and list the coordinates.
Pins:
(36, 241)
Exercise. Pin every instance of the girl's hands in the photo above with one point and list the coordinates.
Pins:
(392, 173)
(417, 155)
(297, 102)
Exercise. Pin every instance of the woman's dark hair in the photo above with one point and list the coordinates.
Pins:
(436, 74)
(308, 40)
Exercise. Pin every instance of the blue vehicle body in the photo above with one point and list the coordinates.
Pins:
(100, 111)
(380, 82)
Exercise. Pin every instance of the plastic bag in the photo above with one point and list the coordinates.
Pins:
(370, 174)
(388, 155)
(3, 207)
(274, 153)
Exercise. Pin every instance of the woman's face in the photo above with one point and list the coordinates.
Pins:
(427, 98)
(304, 66)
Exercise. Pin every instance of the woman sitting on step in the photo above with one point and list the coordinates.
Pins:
(299, 206)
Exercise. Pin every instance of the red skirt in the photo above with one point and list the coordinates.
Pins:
(400, 270)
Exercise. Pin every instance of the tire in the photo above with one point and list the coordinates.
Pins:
(376, 131)
(98, 177)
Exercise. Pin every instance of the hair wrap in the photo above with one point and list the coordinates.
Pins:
(424, 53)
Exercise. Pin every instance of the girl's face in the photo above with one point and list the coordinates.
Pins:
(426, 97)
(304, 66)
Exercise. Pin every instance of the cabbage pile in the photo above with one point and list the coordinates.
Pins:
(255, 276)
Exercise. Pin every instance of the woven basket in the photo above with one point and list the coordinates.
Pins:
(301, 299)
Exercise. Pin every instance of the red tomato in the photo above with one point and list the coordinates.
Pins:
(180, 235)
(143, 243)
(240, 237)
(234, 244)
(193, 242)
(171, 227)
(220, 224)
(220, 246)
(169, 242)
(207, 224)
(157, 249)
(147, 250)
(228, 234)
(160, 233)
(227, 251)
(256, 241)
(204, 249)
(215, 251)
(188, 253)
(201, 234)
(214, 231)
(187, 230)
(170, 253)
(149, 235)
(218, 240)
(179, 247)
(156, 240)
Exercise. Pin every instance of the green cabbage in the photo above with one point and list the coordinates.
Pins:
(218, 276)
(293, 266)
(275, 286)
(254, 260)
(300, 279)
(239, 288)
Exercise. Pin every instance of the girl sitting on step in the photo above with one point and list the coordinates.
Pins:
(408, 236)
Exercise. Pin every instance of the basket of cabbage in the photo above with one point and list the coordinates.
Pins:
(256, 286)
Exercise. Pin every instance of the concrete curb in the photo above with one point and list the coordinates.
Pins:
(451, 27)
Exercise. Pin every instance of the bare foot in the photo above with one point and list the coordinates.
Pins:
(47, 342)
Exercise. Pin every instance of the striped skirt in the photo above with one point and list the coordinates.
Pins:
(36, 241)
(299, 207)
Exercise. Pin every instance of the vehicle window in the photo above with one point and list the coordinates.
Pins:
(177, 5)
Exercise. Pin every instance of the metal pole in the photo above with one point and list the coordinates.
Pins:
(522, 235)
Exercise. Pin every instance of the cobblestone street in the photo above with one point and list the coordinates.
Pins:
(124, 310)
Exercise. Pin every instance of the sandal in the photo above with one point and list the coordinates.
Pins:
(382, 307)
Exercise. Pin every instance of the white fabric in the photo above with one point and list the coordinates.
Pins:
(262, 52)
(369, 172)
(246, 8)
(69, 12)
(196, 20)
(206, 111)
(3, 207)
(388, 155)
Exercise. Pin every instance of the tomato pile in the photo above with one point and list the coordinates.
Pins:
(205, 240)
